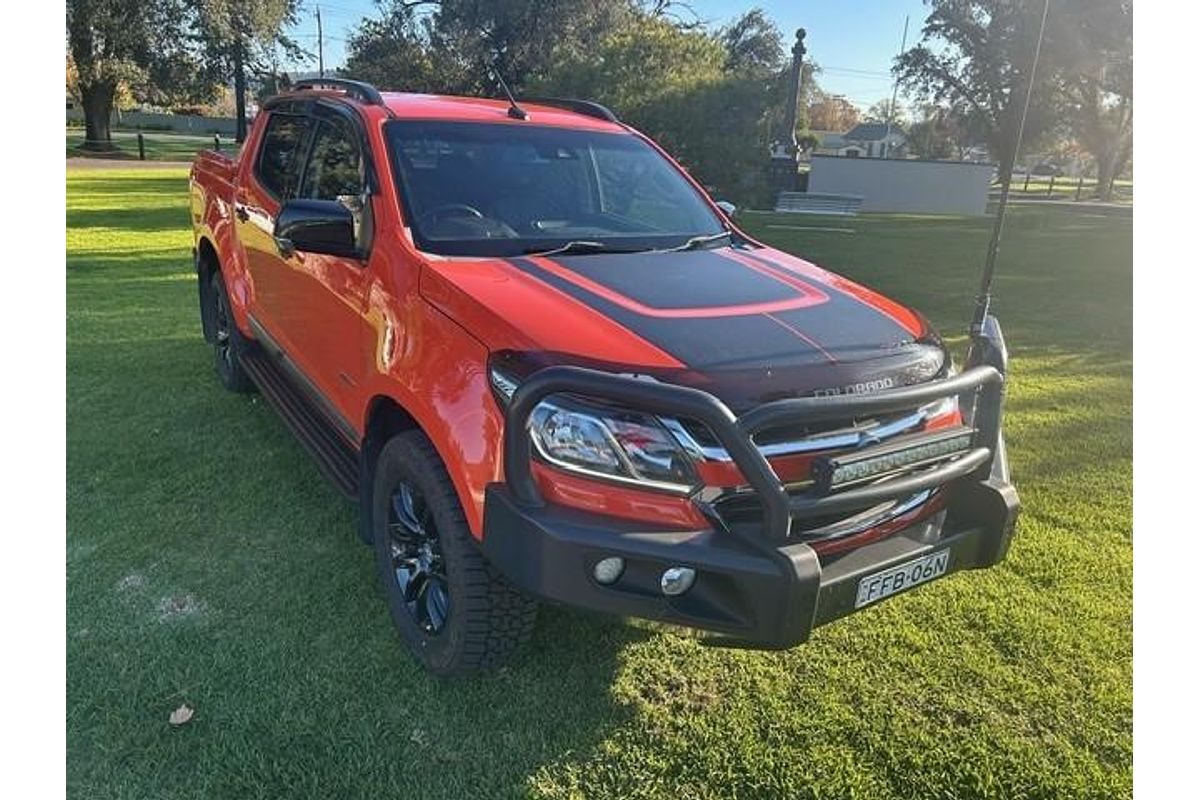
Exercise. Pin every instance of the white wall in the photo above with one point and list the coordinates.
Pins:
(919, 187)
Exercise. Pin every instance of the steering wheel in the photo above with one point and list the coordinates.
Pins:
(461, 209)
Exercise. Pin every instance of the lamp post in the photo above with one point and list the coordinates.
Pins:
(785, 154)
(798, 52)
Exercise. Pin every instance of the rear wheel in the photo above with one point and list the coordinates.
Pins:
(454, 611)
(228, 342)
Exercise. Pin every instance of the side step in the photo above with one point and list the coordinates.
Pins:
(336, 457)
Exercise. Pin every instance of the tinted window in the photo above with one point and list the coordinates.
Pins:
(281, 153)
(335, 169)
(501, 189)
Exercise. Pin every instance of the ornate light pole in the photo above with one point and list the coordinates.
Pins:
(798, 52)
(785, 154)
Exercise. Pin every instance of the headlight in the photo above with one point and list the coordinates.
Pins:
(610, 443)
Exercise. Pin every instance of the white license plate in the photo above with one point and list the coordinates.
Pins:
(887, 583)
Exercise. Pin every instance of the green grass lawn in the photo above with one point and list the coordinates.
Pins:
(209, 563)
(160, 146)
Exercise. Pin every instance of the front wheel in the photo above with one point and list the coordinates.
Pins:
(455, 613)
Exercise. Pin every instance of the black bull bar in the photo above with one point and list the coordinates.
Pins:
(979, 389)
(758, 585)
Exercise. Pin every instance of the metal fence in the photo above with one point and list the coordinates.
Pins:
(181, 123)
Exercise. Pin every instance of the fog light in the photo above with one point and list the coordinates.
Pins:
(677, 580)
(607, 570)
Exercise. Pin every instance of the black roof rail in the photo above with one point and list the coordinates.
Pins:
(586, 107)
(356, 89)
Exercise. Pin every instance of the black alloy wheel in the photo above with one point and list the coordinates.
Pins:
(454, 612)
(417, 562)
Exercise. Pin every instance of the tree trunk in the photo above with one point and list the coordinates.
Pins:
(1104, 177)
(1106, 171)
(239, 92)
(1123, 157)
(97, 107)
(1108, 166)
(1006, 157)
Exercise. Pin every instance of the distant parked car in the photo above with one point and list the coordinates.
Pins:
(1047, 169)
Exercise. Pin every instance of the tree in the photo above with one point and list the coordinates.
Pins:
(453, 46)
(679, 13)
(115, 43)
(72, 80)
(240, 37)
(827, 112)
(636, 65)
(887, 111)
(521, 39)
(753, 45)
(938, 132)
(392, 52)
(975, 55)
(1092, 46)
(709, 96)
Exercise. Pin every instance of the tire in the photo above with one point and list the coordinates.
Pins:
(228, 342)
(459, 616)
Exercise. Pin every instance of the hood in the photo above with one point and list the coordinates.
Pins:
(747, 324)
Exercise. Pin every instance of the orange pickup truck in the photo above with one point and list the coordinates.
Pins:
(546, 365)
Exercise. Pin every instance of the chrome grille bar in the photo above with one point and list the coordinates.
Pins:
(830, 440)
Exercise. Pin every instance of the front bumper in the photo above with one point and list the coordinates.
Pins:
(763, 587)
(768, 597)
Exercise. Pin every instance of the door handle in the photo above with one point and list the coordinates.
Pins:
(242, 212)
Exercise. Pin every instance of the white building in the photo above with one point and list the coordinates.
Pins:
(874, 140)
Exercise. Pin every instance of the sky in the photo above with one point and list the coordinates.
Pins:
(853, 43)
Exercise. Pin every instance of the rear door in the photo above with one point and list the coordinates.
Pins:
(266, 183)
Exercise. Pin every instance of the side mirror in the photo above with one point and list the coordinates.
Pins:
(315, 226)
(729, 208)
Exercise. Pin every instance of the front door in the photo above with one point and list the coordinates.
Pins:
(322, 298)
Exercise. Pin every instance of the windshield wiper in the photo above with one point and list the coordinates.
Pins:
(696, 242)
(586, 246)
(580, 246)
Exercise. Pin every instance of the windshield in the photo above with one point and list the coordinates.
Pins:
(507, 189)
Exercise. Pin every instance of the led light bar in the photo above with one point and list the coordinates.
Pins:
(898, 455)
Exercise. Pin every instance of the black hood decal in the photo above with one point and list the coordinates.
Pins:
(693, 279)
(745, 328)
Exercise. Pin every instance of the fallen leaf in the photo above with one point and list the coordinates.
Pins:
(181, 715)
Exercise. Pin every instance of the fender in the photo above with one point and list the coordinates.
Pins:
(437, 372)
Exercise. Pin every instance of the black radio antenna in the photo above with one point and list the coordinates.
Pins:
(514, 110)
(983, 300)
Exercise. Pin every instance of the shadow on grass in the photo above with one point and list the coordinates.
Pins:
(142, 220)
(169, 182)
(302, 688)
